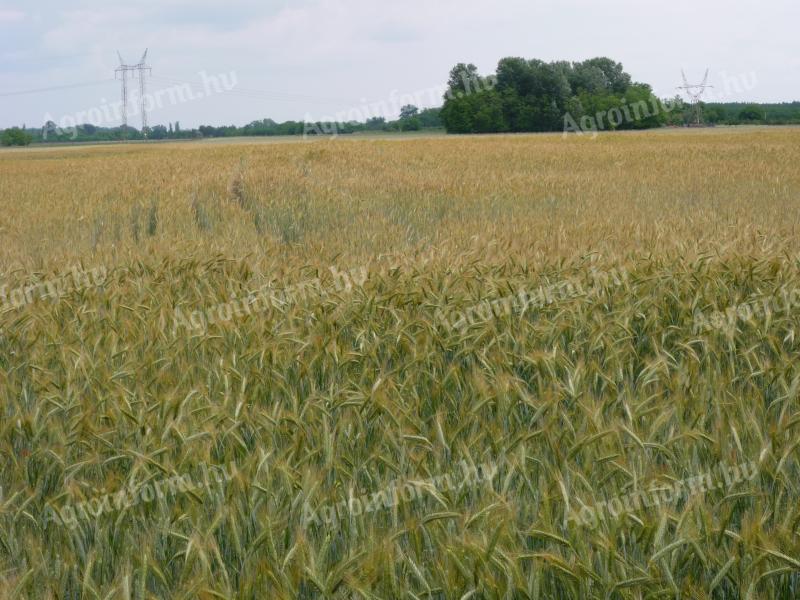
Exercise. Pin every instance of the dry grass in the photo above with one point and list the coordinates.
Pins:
(580, 400)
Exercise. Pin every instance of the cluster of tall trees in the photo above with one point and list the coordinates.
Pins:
(532, 95)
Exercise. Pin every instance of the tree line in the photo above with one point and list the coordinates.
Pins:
(742, 113)
(411, 119)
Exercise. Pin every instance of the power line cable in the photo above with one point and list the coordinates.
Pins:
(56, 88)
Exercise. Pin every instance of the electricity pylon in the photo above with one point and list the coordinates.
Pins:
(123, 69)
(142, 68)
(695, 91)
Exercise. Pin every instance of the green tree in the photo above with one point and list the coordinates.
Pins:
(430, 117)
(489, 117)
(464, 79)
(410, 124)
(158, 132)
(641, 109)
(605, 73)
(714, 114)
(408, 111)
(458, 115)
(375, 124)
(751, 113)
(16, 137)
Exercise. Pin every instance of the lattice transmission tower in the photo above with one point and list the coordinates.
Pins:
(142, 68)
(695, 91)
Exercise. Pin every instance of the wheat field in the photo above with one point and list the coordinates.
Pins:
(442, 367)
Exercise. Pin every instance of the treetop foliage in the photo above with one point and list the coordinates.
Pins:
(532, 95)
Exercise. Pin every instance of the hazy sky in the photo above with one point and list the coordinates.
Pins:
(314, 58)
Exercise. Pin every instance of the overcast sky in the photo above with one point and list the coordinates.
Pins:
(314, 58)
